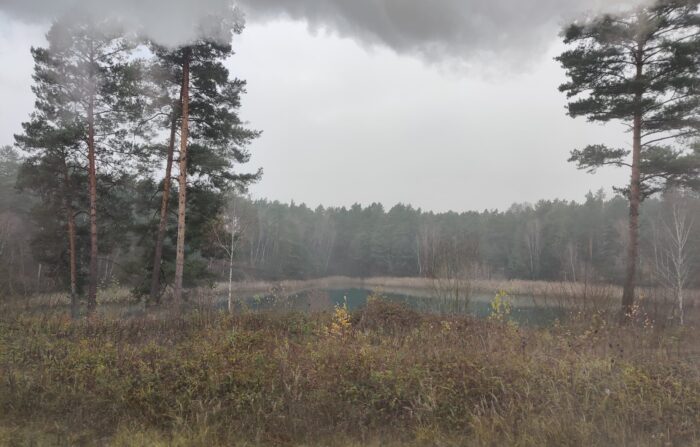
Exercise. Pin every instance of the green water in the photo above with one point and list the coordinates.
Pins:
(525, 310)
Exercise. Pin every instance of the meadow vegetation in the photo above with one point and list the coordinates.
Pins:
(384, 375)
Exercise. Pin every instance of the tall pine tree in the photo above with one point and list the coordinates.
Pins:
(642, 69)
(212, 137)
(86, 90)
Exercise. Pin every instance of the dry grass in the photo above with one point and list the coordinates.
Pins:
(385, 376)
(109, 295)
(513, 287)
(566, 295)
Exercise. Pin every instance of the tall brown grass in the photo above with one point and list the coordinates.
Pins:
(384, 376)
(585, 297)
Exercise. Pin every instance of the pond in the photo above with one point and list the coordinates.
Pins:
(526, 310)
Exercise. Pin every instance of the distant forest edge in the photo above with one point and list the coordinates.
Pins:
(550, 240)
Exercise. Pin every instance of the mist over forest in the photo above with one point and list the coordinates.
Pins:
(549, 240)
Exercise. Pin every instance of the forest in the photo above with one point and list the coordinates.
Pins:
(550, 240)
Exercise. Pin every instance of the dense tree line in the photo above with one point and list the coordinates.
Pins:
(550, 240)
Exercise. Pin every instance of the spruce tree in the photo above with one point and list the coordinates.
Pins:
(641, 68)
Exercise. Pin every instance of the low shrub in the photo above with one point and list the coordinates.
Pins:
(390, 377)
(385, 316)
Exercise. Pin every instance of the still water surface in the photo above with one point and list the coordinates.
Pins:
(525, 310)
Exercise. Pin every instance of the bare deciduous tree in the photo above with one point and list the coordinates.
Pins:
(671, 250)
(227, 235)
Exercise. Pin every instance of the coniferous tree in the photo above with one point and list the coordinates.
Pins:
(86, 93)
(212, 137)
(167, 183)
(643, 69)
(182, 176)
(54, 173)
(52, 141)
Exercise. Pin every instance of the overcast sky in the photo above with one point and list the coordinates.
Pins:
(353, 114)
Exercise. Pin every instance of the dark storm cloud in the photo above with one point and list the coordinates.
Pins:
(170, 22)
(436, 29)
(439, 28)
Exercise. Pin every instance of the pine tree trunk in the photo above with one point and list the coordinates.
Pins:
(73, 264)
(92, 178)
(158, 255)
(230, 276)
(182, 181)
(71, 247)
(635, 200)
(633, 243)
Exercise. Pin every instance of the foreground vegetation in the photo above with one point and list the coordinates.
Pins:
(384, 375)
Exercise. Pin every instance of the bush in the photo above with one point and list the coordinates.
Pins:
(386, 316)
(393, 378)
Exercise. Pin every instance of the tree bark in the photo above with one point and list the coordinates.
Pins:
(92, 178)
(71, 246)
(182, 181)
(230, 272)
(635, 200)
(160, 235)
(73, 264)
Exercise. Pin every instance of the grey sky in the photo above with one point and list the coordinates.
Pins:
(354, 114)
(344, 124)
(461, 30)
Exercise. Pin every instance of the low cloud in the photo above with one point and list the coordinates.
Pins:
(440, 29)
(432, 30)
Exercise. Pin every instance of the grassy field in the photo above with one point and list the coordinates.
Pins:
(383, 376)
(516, 287)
